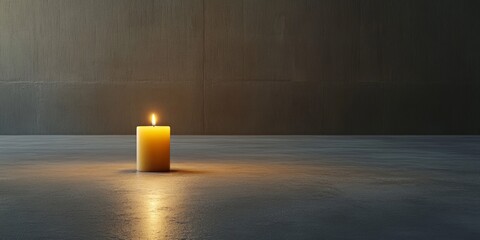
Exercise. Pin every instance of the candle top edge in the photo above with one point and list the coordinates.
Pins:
(153, 126)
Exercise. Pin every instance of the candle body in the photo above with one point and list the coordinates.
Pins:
(153, 149)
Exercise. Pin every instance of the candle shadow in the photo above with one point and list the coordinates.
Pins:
(186, 171)
(128, 171)
(172, 171)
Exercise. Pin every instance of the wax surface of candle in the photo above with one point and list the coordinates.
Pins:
(153, 148)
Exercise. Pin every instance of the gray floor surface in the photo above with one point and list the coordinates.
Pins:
(242, 187)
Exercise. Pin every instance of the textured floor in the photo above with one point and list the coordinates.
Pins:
(266, 187)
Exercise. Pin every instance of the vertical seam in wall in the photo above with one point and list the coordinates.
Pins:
(243, 40)
(34, 78)
(203, 65)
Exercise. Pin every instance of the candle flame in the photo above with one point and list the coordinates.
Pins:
(154, 120)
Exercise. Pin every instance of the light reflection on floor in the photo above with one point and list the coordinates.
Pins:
(153, 205)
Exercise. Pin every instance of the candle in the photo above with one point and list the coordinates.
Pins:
(153, 148)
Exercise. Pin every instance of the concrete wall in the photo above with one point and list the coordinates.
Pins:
(240, 67)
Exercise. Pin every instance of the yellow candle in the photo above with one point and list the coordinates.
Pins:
(153, 148)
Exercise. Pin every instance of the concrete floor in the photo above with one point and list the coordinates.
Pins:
(239, 187)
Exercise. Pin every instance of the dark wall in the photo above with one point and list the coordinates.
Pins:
(240, 67)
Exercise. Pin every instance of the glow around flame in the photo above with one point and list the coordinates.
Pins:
(154, 120)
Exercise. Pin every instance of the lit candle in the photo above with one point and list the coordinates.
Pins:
(153, 148)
